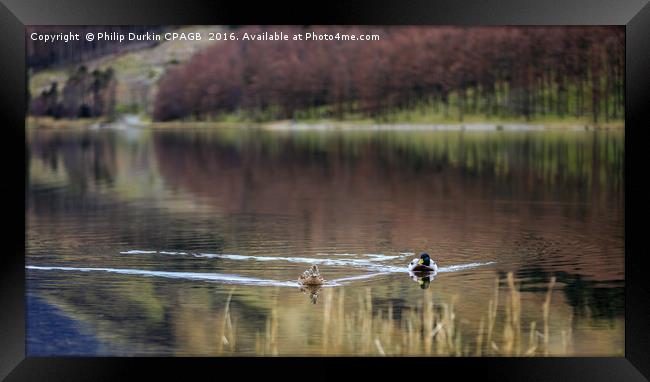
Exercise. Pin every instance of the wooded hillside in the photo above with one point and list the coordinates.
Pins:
(494, 71)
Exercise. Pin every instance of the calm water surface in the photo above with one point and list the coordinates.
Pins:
(189, 241)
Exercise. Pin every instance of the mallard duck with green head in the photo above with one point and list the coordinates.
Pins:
(423, 264)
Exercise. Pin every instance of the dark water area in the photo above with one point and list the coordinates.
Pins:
(189, 241)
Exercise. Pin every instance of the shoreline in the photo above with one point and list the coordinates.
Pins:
(471, 126)
(288, 125)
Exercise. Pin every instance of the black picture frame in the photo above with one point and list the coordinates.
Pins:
(15, 14)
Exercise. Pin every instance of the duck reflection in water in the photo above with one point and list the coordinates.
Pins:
(422, 278)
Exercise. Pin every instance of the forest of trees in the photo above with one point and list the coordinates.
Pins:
(85, 94)
(503, 72)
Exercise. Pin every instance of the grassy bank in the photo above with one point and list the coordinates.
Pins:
(424, 113)
(354, 122)
(49, 122)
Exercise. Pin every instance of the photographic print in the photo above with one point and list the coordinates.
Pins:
(325, 191)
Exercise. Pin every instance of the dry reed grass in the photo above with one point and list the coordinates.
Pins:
(430, 329)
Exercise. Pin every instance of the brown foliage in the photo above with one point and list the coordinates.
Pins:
(508, 71)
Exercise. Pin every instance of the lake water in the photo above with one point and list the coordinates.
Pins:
(189, 242)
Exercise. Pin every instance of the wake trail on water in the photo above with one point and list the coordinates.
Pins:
(372, 262)
(380, 269)
(369, 257)
(220, 277)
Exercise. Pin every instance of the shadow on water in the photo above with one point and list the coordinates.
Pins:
(47, 325)
(593, 298)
